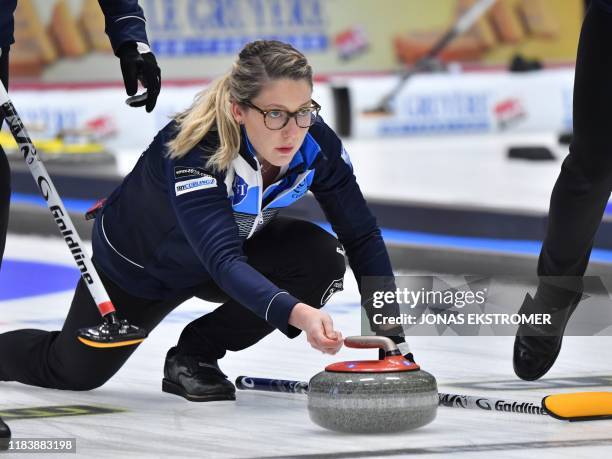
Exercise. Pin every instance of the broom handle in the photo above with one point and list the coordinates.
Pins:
(468, 402)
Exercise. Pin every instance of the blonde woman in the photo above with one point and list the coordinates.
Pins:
(198, 217)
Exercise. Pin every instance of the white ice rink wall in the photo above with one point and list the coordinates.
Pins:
(481, 102)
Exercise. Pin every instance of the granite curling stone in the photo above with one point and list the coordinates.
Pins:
(373, 396)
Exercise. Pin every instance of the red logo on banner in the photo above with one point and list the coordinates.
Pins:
(509, 112)
(351, 42)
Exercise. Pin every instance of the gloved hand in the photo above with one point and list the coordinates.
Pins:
(139, 64)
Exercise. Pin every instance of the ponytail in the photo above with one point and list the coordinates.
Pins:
(211, 110)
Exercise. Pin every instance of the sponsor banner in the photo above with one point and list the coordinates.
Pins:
(100, 115)
(469, 103)
(60, 40)
(465, 103)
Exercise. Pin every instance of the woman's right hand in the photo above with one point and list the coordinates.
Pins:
(318, 326)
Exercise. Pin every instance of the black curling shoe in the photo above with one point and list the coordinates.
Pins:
(194, 379)
(5, 435)
(536, 347)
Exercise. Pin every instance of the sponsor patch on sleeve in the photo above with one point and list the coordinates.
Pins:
(202, 183)
(181, 172)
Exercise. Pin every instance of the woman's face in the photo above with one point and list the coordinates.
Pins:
(276, 146)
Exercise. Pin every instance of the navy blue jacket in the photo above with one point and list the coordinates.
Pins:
(174, 224)
(605, 4)
(124, 22)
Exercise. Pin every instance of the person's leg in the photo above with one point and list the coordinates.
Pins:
(578, 199)
(582, 190)
(5, 172)
(5, 199)
(193, 376)
(297, 256)
(5, 435)
(59, 360)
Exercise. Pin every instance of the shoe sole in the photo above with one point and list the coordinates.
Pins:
(554, 359)
(176, 389)
(545, 370)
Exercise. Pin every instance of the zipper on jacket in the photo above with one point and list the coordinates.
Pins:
(259, 218)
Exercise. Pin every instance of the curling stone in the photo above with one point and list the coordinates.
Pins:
(373, 396)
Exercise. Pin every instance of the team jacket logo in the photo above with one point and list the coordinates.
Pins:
(181, 173)
(187, 186)
(336, 286)
(300, 189)
(240, 189)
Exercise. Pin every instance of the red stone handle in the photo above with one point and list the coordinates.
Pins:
(370, 342)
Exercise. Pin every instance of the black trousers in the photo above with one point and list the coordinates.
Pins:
(5, 172)
(296, 255)
(583, 187)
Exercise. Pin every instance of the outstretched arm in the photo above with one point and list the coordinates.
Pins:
(125, 27)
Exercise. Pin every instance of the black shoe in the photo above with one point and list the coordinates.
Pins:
(536, 347)
(5, 435)
(196, 379)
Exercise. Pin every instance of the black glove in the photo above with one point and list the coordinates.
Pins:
(402, 345)
(138, 63)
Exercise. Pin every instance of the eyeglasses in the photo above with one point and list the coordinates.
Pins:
(277, 119)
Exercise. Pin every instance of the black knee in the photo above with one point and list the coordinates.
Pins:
(77, 379)
(83, 384)
(588, 167)
(300, 257)
(321, 252)
(34, 357)
(329, 270)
